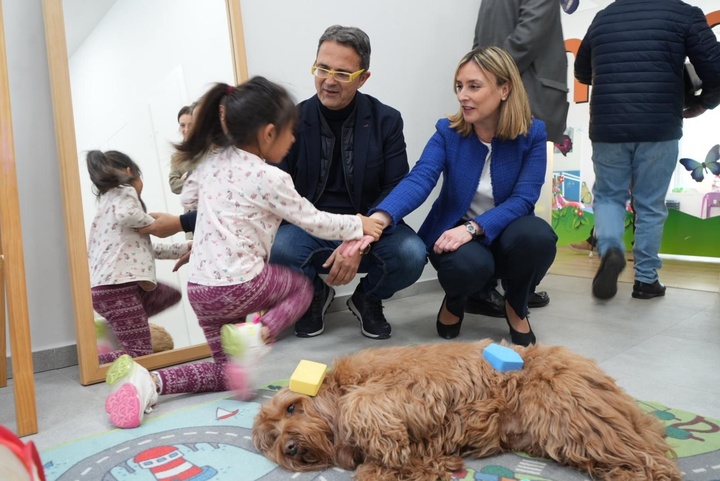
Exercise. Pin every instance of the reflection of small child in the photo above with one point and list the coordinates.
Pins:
(122, 262)
(240, 202)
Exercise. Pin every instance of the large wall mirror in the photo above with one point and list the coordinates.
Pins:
(120, 72)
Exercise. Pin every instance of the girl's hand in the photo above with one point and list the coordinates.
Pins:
(182, 261)
(452, 239)
(147, 286)
(371, 226)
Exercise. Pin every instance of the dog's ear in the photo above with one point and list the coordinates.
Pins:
(264, 434)
(347, 457)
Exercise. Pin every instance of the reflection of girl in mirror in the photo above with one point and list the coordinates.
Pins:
(179, 169)
(122, 262)
(240, 202)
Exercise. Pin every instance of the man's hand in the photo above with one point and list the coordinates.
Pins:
(165, 225)
(352, 247)
(694, 111)
(343, 268)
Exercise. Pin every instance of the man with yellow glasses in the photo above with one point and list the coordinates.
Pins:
(348, 154)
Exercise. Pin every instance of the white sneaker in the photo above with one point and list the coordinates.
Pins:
(244, 346)
(134, 393)
(243, 343)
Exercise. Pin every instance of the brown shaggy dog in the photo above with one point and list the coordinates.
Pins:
(412, 413)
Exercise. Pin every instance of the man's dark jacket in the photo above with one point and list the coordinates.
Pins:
(373, 152)
(633, 56)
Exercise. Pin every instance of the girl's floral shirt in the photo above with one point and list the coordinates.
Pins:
(117, 253)
(240, 202)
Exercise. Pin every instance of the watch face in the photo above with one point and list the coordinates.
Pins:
(470, 228)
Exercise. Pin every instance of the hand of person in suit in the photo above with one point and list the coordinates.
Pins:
(165, 225)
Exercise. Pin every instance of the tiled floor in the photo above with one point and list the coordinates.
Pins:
(665, 350)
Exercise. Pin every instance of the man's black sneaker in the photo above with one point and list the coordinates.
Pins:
(369, 312)
(642, 290)
(486, 303)
(538, 299)
(604, 284)
(312, 323)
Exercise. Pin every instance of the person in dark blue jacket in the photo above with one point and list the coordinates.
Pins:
(633, 56)
(492, 157)
(348, 155)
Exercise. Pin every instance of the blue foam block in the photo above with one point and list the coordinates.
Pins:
(503, 358)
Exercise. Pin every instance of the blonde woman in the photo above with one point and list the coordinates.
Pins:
(492, 157)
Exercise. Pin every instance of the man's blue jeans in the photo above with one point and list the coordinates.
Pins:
(644, 168)
(395, 261)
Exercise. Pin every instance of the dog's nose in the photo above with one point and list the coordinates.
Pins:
(290, 448)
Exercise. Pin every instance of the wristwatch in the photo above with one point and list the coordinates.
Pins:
(471, 229)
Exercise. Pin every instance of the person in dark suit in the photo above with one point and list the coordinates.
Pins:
(348, 155)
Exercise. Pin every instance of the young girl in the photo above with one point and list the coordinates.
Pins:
(122, 266)
(240, 202)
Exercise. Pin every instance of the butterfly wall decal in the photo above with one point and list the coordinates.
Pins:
(697, 169)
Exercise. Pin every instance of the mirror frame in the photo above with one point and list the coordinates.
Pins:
(12, 269)
(90, 369)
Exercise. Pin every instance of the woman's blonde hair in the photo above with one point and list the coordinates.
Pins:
(515, 116)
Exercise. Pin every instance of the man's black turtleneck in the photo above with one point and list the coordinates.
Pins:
(336, 198)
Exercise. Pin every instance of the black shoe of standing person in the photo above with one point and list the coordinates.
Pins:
(486, 303)
(312, 323)
(643, 290)
(369, 311)
(604, 284)
(538, 299)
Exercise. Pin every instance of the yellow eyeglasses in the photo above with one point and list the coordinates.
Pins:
(339, 76)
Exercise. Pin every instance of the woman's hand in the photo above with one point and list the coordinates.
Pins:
(452, 239)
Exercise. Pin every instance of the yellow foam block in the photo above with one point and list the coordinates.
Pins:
(308, 377)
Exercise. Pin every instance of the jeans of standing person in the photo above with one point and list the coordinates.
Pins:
(648, 166)
(394, 262)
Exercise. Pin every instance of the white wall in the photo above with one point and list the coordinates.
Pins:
(46, 266)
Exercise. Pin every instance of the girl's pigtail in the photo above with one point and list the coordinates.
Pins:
(207, 131)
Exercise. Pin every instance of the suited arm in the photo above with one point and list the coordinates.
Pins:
(535, 20)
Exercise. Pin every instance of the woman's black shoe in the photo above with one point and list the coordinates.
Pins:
(521, 338)
(447, 331)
